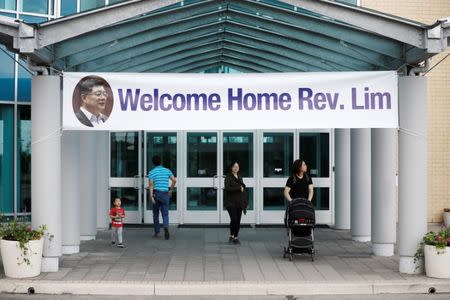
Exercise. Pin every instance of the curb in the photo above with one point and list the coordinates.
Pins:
(152, 288)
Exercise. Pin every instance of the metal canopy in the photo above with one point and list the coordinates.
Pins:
(246, 35)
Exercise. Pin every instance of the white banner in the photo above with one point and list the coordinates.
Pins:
(129, 101)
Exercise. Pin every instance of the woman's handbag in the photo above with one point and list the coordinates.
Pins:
(244, 199)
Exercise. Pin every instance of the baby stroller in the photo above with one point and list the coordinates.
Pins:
(300, 220)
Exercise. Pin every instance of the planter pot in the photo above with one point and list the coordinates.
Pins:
(437, 264)
(447, 218)
(13, 259)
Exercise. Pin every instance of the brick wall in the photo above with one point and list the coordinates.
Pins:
(438, 98)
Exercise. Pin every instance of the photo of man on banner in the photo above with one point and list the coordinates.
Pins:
(92, 101)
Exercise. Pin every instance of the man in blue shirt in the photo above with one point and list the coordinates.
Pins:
(160, 193)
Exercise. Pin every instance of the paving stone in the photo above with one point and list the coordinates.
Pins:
(203, 254)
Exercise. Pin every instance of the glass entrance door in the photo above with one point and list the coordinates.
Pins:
(239, 147)
(165, 145)
(208, 156)
(314, 148)
(278, 155)
(279, 150)
(202, 179)
(125, 173)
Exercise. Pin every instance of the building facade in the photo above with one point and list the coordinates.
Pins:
(199, 159)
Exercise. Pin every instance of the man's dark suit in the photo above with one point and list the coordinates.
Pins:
(84, 119)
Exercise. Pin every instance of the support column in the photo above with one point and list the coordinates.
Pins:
(88, 185)
(71, 192)
(103, 197)
(342, 175)
(46, 164)
(360, 185)
(384, 195)
(412, 169)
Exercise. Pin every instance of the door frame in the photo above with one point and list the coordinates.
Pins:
(132, 217)
(174, 215)
(220, 215)
(201, 216)
(277, 216)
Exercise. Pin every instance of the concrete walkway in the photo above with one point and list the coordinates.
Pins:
(199, 261)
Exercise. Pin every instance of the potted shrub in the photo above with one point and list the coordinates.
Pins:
(21, 249)
(435, 248)
(447, 217)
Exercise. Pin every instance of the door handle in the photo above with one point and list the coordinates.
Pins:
(137, 181)
(214, 182)
(223, 182)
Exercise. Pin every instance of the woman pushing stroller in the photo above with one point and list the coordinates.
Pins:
(299, 184)
(299, 218)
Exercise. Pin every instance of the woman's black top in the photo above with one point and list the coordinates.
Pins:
(299, 188)
(233, 196)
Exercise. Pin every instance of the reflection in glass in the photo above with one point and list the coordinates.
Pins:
(8, 4)
(165, 146)
(24, 159)
(124, 154)
(128, 196)
(91, 4)
(201, 154)
(115, 1)
(172, 202)
(68, 7)
(6, 75)
(238, 147)
(34, 6)
(6, 158)
(24, 84)
(315, 150)
(278, 154)
(201, 199)
(274, 199)
(250, 199)
(321, 198)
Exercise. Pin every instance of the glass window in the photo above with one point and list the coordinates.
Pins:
(68, 7)
(201, 199)
(91, 4)
(7, 15)
(315, 151)
(278, 154)
(115, 1)
(128, 196)
(6, 75)
(352, 2)
(8, 4)
(321, 198)
(274, 199)
(124, 154)
(23, 84)
(34, 6)
(24, 158)
(238, 147)
(32, 19)
(201, 154)
(165, 146)
(6, 158)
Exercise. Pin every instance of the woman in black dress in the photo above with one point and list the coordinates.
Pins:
(234, 201)
(299, 184)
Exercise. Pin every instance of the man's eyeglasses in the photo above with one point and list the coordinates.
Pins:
(98, 94)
